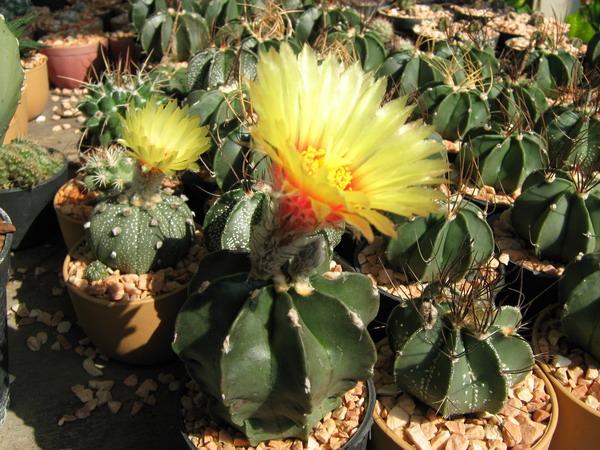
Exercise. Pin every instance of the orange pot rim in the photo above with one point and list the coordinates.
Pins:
(57, 209)
(543, 442)
(77, 49)
(41, 64)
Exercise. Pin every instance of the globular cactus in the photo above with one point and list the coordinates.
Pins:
(11, 77)
(503, 161)
(303, 351)
(107, 170)
(448, 242)
(12, 9)
(24, 165)
(578, 290)
(573, 134)
(384, 29)
(517, 100)
(559, 219)
(96, 271)
(136, 236)
(457, 359)
(108, 100)
(555, 71)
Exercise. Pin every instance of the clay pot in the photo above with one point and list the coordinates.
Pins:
(124, 51)
(71, 229)
(18, 125)
(136, 332)
(383, 438)
(70, 66)
(36, 89)
(579, 426)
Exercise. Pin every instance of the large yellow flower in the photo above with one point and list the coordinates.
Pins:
(165, 137)
(336, 150)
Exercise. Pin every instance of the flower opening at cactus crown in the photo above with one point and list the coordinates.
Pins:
(339, 155)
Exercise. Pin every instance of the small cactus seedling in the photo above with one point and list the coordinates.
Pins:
(24, 165)
(456, 351)
(107, 170)
(384, 29)
(578, 289)
(96, 271)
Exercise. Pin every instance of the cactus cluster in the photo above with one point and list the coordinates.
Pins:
(449, 242)
(458, 354)
(24, 165)
(578, 290)
(108, 100)
(96, 271)
(559, 219)
(11, 77)
(304, 351)
(107, 170)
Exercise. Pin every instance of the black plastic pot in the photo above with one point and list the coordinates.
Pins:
(4, 267)
(198, 191)
(402, 24)
(357, 442)
(31, 210)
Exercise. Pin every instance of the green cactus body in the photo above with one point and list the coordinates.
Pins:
(504, 161)
(302, 352)
(556, 71)
(137, 239)
(420, 72)
(215, 67)
(518, 98)
(454, 112)
(573, 135)
(560, 222)
(11, 77)
(24, 165)
(96, 271)
(107, 170)
(578, 289)
(424, 247)
(592, 55)
(384, 29)
(447, 365)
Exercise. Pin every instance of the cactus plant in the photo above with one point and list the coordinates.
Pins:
(558, 216)
(12, 9)
(11, 77)
(556, 71)
(107, 170)
(578, 290)
(519, 100)
(24, 165)
(145, 229)
(503, 160)
(457, 237)
(592, 55)
(96, 271)
(384, 29)
(108, 100)
(458, 356)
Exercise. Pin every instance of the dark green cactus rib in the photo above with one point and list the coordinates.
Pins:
(592, 55)
(519, 101)
(424, 247)
(503, 161)
(11, 77)
(272, 364)
(559, 222)
(580, 292)
(556, 71)
(450, 367)
(137, 239)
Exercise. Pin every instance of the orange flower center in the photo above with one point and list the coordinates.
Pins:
(314, 158)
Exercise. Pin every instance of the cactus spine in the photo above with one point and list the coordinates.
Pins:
(107, 170)
(24, 165)
(452, 364)
(11, 77)
(578, 289)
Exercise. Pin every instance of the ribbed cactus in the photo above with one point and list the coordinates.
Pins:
(503, 160)
(133, 236)
(449, 242)
(573, 134)
(11, 77)
(107, 102)
(384, 29)
(556, 217)
(107, 170)
(272, 363)
(25, 165)
(96, 271)
(518, 99)
(556, 71)
(458, 360)
(578, 289)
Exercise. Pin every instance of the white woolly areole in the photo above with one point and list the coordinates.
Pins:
(306, 385)
(226, 345)
(204, 286)
(356, 320)
(293, 316)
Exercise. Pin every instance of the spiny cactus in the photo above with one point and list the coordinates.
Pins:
(458, 356)
(450, 242)
(96, 271)
(11, 77)
(559, 219)
(107, 102)
(578, 290)
(24, 165)
(556, 71)
(384, 29)
(503, 160)
(304, 351)
(107, 170)
(520, 100)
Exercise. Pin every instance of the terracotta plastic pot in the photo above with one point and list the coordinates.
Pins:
(124, 51)
(383, 438)
(579, 426)
(36, 89)
(18, 124)
(136, 332)
(69, 67)
(71, 229)
(4, 266)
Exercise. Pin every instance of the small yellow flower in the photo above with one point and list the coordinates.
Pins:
(164, 137)
(338, 154)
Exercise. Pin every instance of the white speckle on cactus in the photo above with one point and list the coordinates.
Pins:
(307, 385)
(356, 320)
(113, 254)
(226, 345)
(553, 206)
(154, 223)
(87, 225)
(159, 244)
(294, 318)
(116, 231)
